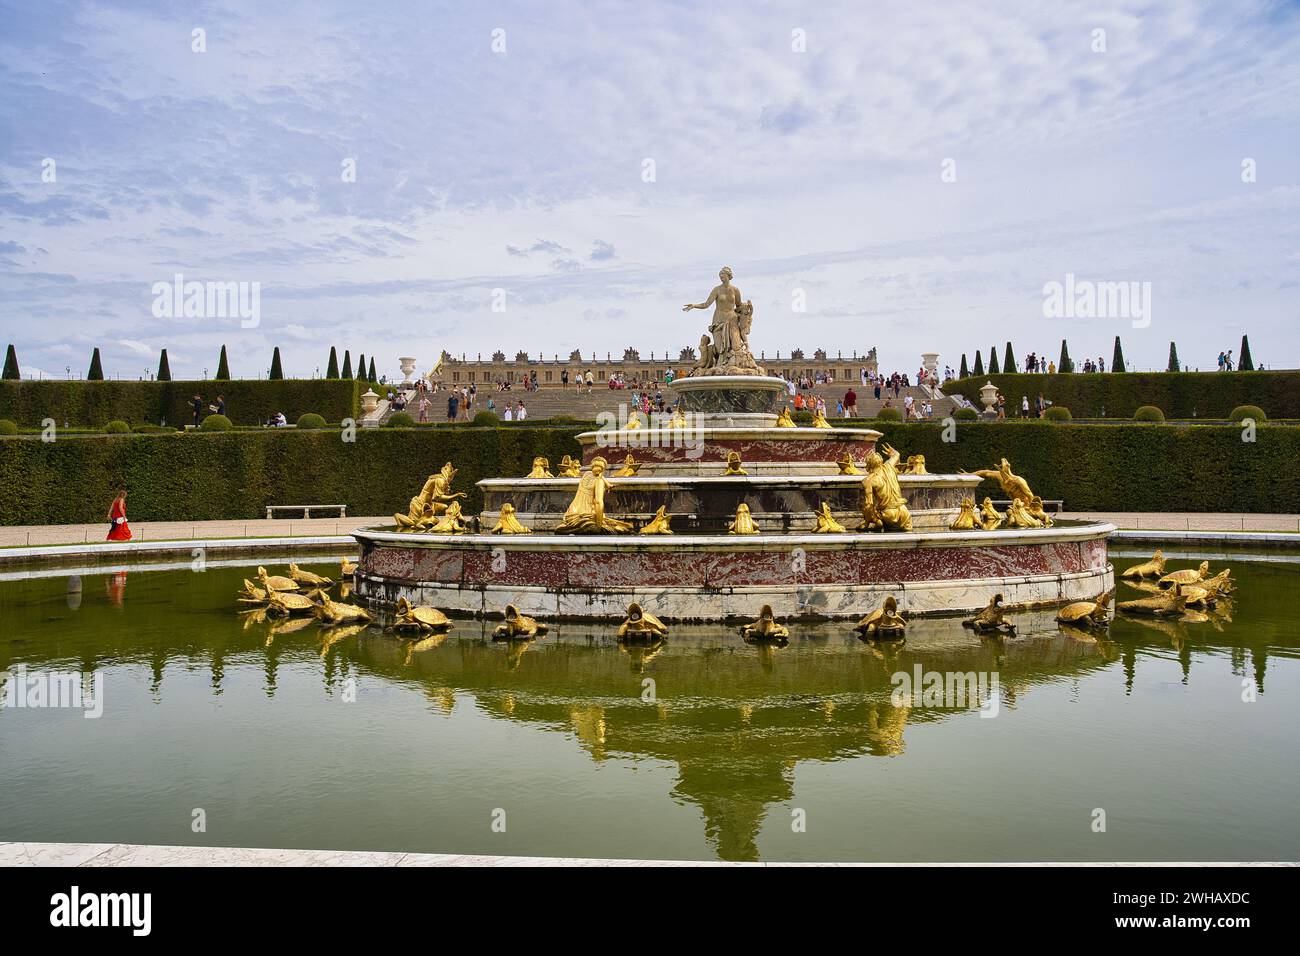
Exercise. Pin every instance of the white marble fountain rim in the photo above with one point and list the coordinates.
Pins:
(799, 432)
(801, 481)
(728, 542)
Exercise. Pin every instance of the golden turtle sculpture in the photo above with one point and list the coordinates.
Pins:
(1086, 613)
(991, 619)
(330, 613)
(1165, 604)
(765, 628)
(1186, 575)
(420, 618)
(640, 624)
(883, 623)
(286, 603)
(275, 582)
(518, 626)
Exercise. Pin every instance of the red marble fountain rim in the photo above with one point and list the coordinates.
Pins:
(1083, 531)
(801, 481)
(658, 436)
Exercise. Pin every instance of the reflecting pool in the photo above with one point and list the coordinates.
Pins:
(1183, 734)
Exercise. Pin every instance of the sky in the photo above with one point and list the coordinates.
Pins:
(403, 178)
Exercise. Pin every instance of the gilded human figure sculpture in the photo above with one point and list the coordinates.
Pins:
(733, 465)
(569, 468)
(727, 353)
(744, 522)
(541, 469)
(915, 466)
(884, 508)
(507, 523)
(586, 514)
(432, 500)
(847, 465)
(630, 467)
(1017, 489)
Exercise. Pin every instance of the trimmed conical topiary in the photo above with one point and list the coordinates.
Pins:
(1066, 364)
(1173, 358)
(11, 364)
(223, 367)
(361, 367)
(1117, 359)
(964, 370)
(347, 364)
(372, 369)
(1245, 363)
(164, 370)
(96, 373)
(277, 372)
(979, 365)
(994, 368)
(1009, 360)
(332, 369)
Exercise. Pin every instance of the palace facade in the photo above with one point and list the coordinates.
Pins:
(632, 367)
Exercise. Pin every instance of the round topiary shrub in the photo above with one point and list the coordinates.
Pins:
(486, 419)
(117, 427)
(400, 420)
(1057, 413)
(964, 415)
(1148, 413)
(8, 427)
(889, 415)
(311, 420)
(215, 423)
(1248, 411)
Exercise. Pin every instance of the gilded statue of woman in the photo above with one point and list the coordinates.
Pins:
(725, 327)
(586, 514)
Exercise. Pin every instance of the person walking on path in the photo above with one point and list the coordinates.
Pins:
(851, 403)
(196, 403)
(118, 529)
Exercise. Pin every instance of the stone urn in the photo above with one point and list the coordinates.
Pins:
(930, 362)
(989, 396)
(407, 366)
(369, 402)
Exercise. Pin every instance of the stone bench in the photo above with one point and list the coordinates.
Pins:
(306, 509)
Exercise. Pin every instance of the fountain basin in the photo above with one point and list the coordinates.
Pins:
(712, 443)
(744, 399)
(721, 577)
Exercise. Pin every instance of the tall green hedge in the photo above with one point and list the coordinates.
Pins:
(236, 474)
(248, 401)
(1178, 394)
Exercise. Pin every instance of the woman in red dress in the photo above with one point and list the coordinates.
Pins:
(118, 529)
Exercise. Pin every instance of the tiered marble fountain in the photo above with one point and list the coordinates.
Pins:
(701, 571)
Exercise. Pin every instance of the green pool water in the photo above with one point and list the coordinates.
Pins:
(1183, 734)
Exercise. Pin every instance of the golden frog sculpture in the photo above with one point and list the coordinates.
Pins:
(990, 520)
(507, 523)
(733, 465)
(451, 522)
(847, 465)
(819, 419)
(915, 466)
(1016, 489)
(1018, 516)
(541, 468)
(966, 519)
(743, 523)
(765, 628)
(569, 468)
(630, 467)
(659, 524)
(826, 523)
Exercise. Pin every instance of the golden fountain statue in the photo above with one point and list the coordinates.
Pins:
(633, 421)
(586, 513)
(785, 419)
(744, 523)
(330, 613)
(630, 467)
(847, 465)
(883, 622)
(915, 466)
(518, 626)
(765, 628)
(640, 623)
(966, 519)
(1187, 575)
(659, 523)
(826, 523)
(733, 465)
(1019, 516)
(819, 419)
(991, 619)
(569, 468)
(1017, 489)
(507, 523)
(1086, 613)
(432, 500)
(419, 618)
(541, 469)
(990, 520)
(451, 522)
(1147, 569)
(884, 508)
